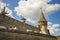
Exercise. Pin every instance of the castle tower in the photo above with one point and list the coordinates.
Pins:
(42, 23)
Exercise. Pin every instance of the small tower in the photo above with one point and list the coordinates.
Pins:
(2, 14)
(23, 24)
(3, 11)
(23, 20)
(43, 24)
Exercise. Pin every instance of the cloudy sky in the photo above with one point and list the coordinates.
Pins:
(30, 10)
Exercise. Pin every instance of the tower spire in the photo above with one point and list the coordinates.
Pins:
(42, 18)
(42, 23)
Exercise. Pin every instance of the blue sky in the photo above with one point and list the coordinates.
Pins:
(54, 17)
(11, 5)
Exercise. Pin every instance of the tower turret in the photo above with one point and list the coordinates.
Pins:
(3, 11)
(43, 24)
(2, 14)
(23, 20)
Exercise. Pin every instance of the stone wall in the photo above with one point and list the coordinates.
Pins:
(19, 35)
(58, 37)
(10, 22)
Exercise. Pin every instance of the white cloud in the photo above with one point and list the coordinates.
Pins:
(54, 28)
(49, 23)
(2, 5)
(7, 9)
(31, 9)
(9, 12)
(0, 0)
(52, 7)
